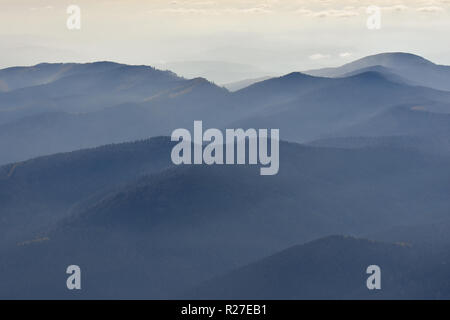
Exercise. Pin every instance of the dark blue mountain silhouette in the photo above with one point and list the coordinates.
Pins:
(166, 230)
(334, 268)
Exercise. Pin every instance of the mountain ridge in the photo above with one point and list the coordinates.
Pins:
(405, 65)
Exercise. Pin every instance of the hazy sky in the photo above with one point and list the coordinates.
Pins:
(264, 36)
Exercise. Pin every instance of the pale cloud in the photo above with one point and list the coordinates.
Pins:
(396, 8)
(430, 9)
(263, 8)
(319, 56)
(211, 8)
(308, 8)
(345, 55)
(185, 11)
(335, 13)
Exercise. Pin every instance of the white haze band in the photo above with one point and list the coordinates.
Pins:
(212, 153)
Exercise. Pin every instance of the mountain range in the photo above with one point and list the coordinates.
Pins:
(121, 197)
(60, 108)
(334, 267)
(412, 68)
(86, 178)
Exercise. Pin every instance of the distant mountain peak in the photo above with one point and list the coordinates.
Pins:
(397, 58)
(402, 67)
(297, 75)
(201, 80)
